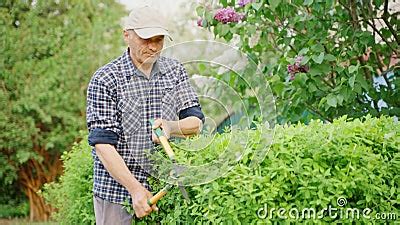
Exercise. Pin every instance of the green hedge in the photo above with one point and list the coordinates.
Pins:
(308, 166)
(72, 195)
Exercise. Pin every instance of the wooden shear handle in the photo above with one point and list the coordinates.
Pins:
(164, 141)
(153, 200)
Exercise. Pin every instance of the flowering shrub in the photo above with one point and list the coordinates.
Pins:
(295, 68)
(349, 62)
(228, 15)
(200, 22)
(242, 3)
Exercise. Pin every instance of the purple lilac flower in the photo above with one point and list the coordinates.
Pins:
(226, 15)
(298, 60)
(297, 68)
(200, 22)
(242, 3)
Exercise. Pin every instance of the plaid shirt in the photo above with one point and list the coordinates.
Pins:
(122, 99)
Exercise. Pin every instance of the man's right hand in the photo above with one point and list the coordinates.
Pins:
(139, 202)
(116, 166)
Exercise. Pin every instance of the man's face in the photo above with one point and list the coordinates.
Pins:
(143, 50)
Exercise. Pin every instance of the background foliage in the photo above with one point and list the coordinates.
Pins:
(49, 51)
(307, 166)
(349, 48)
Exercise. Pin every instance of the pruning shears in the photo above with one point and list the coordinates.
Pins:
(175, 171)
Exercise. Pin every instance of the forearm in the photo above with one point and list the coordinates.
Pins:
(116, 166)
(185, 127)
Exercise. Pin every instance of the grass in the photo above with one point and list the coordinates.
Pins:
(23, 221)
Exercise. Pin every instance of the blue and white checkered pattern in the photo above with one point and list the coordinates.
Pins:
(122, 99)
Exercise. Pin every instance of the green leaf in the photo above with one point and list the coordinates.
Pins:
(303, 51)
(351, 81)
(301, 79)
(330, 58)
(321, 102)
(273, 4)
(331, 100)
(224, 29)
(339, 69)
(312, 87)
(256, 5)
(208, 15)
(353, 68)
(362, 81)
(200, 11)
(318, 59)
(305, 60)
(278, 87)
(386, 33)
(204, 23)
(392, 190)
(23, 156)
(224, 3)
(308, 2)
(317, 48)
(369, 68)
(345, 93)
(320, 69)
(340, 99)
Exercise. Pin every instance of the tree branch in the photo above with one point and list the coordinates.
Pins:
(381, 66)
(380, 35)
(355, 19)
(316, 111)
(385, 18)
(291, 47)
(385, 8)
(327, 83)
(367, 73)
(344, 6)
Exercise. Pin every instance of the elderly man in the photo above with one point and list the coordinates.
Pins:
(122, 97)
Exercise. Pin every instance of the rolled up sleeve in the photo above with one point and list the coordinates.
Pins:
(192, 111)
(101, 113)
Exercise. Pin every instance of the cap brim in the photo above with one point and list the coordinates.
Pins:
(146, 33)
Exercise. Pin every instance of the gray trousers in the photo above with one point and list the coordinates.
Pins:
(108, 213)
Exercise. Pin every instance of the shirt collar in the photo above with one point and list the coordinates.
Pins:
(129, 69)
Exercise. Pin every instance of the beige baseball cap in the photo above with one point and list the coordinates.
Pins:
(147, 22)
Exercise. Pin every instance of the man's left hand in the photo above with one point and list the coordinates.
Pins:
(165, 126)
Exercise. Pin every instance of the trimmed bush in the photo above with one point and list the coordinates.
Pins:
(72, 194)
(308, 167)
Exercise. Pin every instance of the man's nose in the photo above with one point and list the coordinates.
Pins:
(152, 46)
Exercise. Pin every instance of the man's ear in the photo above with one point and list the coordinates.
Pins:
(126, 36)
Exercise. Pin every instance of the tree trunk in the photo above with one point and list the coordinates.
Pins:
(32, 175)
(38, 210)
